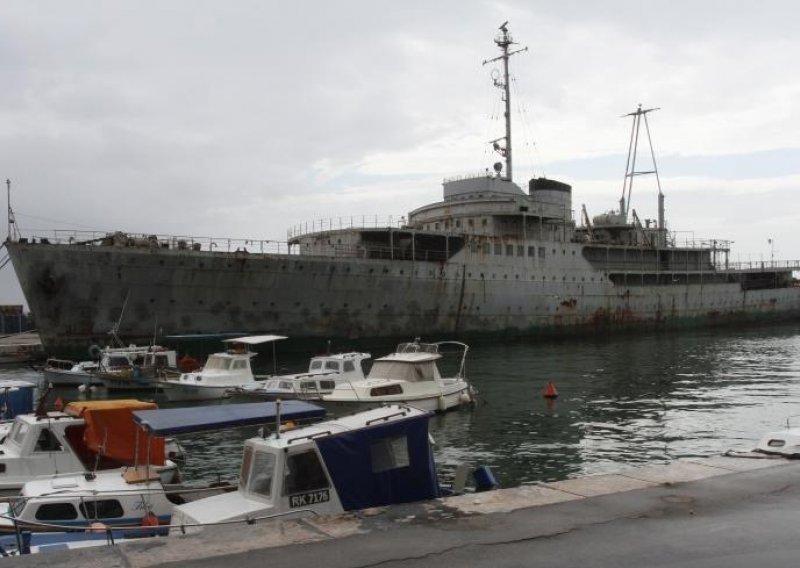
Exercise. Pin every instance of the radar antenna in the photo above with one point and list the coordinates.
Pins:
(504, 41)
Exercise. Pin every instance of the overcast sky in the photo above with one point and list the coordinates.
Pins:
(243, 118)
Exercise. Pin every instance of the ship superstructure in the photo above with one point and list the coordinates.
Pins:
(489, 258)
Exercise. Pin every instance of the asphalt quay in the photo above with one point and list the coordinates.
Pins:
(715, 506)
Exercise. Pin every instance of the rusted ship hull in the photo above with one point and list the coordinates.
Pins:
(78, 292)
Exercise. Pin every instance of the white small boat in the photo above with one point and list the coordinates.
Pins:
(324, 373)
(784, 443)
(131, 497)
(222, 371)
(377, 457)
(64, 372)
(134, 367)
(85, 437)
(410, 375)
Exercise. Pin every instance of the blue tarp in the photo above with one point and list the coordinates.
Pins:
(352, 460)
(16, 397)
(170, 421)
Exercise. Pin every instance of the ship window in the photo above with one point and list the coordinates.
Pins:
(304, 472)
(509, 250)
(240, 364)
(261, 474)
(333, 365)
(470, 222)
(520, 250)
(349, 366)
(327, 385)
(484, 222)
(458, 223)
(541, 252)
(447, 224)
(389, 453)
(436, 226)
(47, 442)
(531, 252)
(56, 512)
(102, 509)
(306, 385)
(498, 249)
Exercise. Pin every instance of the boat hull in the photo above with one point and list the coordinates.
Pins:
(189, 393)
(77, 292)
(69, 379)
(450, 398)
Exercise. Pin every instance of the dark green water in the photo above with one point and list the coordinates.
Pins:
(623, 401)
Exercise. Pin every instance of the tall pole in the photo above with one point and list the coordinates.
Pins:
(8, 188)
(503, 41)
(507, 92)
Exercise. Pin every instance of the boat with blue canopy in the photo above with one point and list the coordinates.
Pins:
(377, 457)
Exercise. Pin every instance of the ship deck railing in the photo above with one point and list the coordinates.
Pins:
(762, 266)
(631, 266)
(350, 222)
(172, 242)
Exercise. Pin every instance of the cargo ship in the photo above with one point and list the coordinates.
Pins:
(489, 258)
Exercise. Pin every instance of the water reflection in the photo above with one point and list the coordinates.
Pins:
(623, 401)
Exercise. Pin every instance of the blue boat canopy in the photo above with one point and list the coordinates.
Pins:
(170, 421)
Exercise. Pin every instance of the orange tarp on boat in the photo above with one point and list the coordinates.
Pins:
(111, 430)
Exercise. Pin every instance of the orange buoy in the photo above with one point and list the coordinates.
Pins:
(550, 391)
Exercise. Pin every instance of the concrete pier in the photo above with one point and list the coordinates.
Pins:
(720, 511)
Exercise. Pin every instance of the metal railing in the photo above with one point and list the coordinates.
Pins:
(351, 222)
(172, 242)
(760, 265)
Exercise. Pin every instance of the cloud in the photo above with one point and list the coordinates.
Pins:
(246, 118)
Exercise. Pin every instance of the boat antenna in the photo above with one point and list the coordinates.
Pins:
(504, 41)
(277, 418)
(114, 331)
(630, 167)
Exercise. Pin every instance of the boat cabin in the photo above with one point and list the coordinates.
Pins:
(324, 373)
(377, 457)
(111, 498)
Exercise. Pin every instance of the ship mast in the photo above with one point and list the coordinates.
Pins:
(630, 168)
(504, 41)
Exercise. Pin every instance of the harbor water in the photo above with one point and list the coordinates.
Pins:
(623, 401)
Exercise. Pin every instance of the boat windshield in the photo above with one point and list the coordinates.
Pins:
(261, 474)
(17, 505)
(17, 434)
(217, 363)
(118, 362)
(403, 371)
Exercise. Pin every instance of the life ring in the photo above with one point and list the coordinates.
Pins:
(95, 351)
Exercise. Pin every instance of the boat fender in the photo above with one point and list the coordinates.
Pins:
(484, 478)
(95, 351)
(464, 398)
(442, 404)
